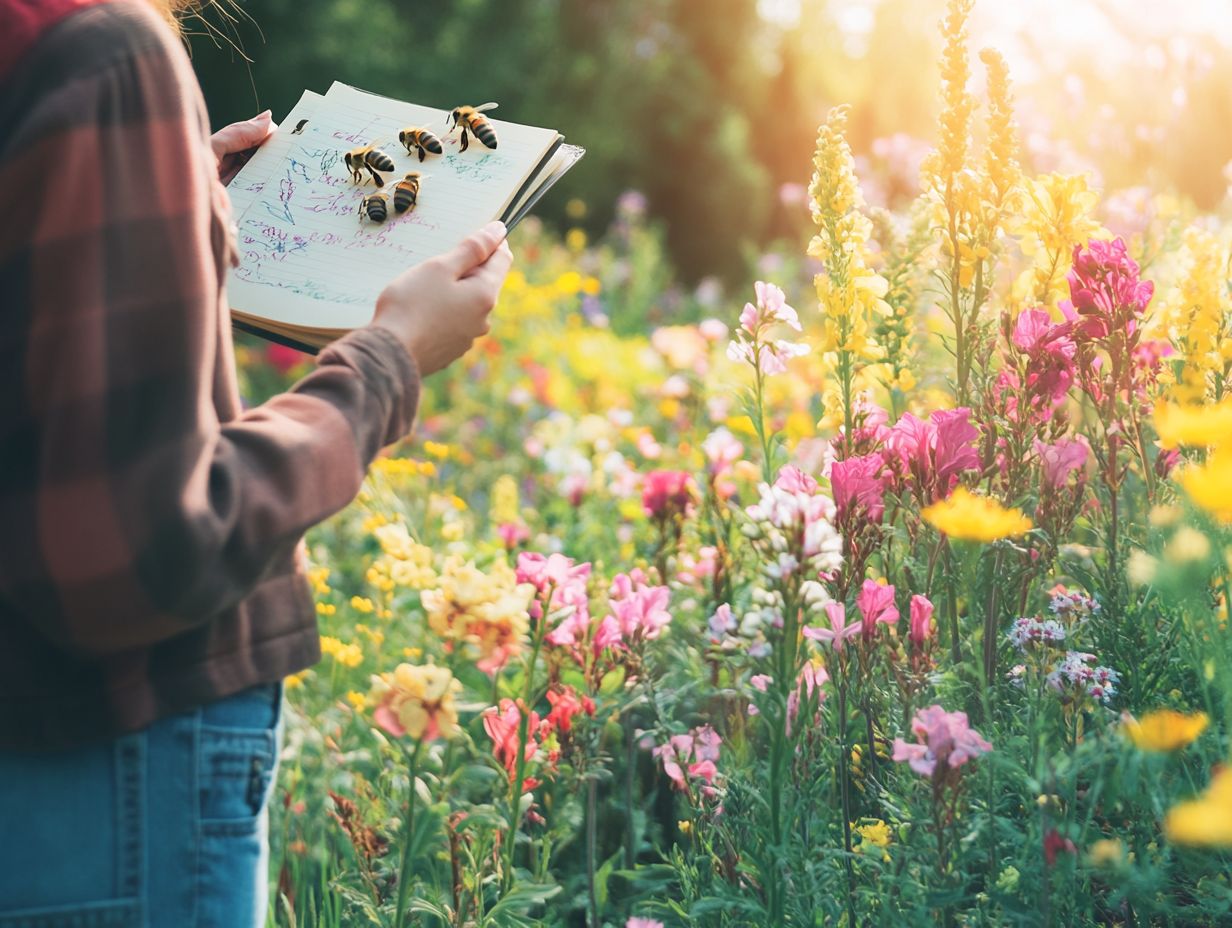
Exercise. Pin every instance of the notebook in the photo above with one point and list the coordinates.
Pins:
(311, 266)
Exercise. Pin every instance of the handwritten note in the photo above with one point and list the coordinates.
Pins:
(307, 259)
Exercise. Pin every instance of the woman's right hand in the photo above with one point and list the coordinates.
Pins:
(438, 308)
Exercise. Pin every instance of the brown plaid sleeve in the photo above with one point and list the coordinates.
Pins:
(131, 512)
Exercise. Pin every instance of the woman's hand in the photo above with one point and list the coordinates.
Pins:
(234, 144)
(438, 308)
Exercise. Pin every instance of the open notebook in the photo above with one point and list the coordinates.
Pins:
(310, 269)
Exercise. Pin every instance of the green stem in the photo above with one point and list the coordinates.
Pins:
(404, 876)
(519, 778)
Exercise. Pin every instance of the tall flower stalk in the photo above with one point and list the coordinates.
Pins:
(849, 291)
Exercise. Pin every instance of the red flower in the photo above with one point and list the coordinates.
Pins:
(1055, 844)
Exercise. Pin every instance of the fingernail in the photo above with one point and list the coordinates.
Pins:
(262, 117)
(497, 227)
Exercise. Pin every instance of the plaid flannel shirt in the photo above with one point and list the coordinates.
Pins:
(150, 528)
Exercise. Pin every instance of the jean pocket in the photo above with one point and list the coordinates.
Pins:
(236, 777)
(117, 914)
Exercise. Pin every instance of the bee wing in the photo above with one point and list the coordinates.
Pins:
(486, 106)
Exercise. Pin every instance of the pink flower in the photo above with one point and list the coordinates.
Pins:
(920, 626)
(713, 330)
(722, 624)
(697, 752)
(567, 583)
(945, 741)
(1050, 351)
(639, 610)
(607, 635)
(666, 493)
(722, 450)
(643, 923)
(876, 602)
(1062, 458)
(859, 490)
(1106, 294)
(502, 727)
(934, 452)
(282, 358)
(759, 681)
(512, 534)
(839, 631)
(753, 345)
(794, 480)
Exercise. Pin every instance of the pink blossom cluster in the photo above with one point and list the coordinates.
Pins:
(1040, 368)
(558, 579)
(944, 741)
(638, 612)
(1062, 458)
(692, 757)
(1106, 293)
(1030, 630)
(1075, 676)
(929, 455)
(667, 494)
(753, 344)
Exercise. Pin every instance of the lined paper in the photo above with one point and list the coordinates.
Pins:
(306, 258)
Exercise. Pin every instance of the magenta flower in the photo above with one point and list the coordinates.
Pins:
(1050, 351)
(667, 493)
(839, 631)
(876, 602)
(945, 741)
(859, 488)
(933, 452)
(1106, 294)
(920, 625)
(569, 598)
(1062, 458)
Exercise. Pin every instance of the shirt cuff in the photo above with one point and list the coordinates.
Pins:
(387, 370)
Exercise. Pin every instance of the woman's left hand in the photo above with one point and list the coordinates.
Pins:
(234, 144)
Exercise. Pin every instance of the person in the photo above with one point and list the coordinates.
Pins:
(152, 583)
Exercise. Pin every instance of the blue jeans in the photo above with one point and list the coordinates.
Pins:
(167, 826)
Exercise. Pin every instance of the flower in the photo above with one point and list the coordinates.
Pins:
(839, 631)
(566, 703)
(691, 757)
(486, 611)
(1193, 426)
(874, 834)
(945, 742)
(967, 517)
(635, 922)
(667, 493)
(1207, 820)
(639, 610)
(1074, 677)
(920, 625)
(1209, 484)
(753, 345)
(876, 603)
(859, 490)
(1029, 630)
(1055, 844)
(1106, 294)
(502, 725)
(1062, 458)
(793, 519)
(933, 452)
(416, 701)
(1164, 730)
(722, 450)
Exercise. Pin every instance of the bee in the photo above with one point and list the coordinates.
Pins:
(422, 139)
(471, 117)
(372, 159)
(406, 192)
(375, 205)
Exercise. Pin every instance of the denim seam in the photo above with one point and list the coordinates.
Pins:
(195, 812)
(130, 762)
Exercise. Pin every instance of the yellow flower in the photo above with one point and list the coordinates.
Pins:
(504, 506)
(357, 699)
(362, 604)
(968, 517)
(875, 834)
(1193, 426)
(1209, 485)
(1207, 820)
(318, 576)
(1164, 730)
(1106, 852)
(326, 609)
(416, 701)
(486, 611)
(575, 239)
(295, 680)
(436, 449)
(348, 655)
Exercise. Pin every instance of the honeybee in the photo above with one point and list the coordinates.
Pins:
(471, 117)
(406, 192)
(375, 206)
(369, 158)
(425, 141)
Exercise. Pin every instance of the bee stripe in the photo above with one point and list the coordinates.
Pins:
(484, 132)
(379, 160)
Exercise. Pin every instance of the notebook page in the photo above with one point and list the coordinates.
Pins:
(306, 258)
(252, 176)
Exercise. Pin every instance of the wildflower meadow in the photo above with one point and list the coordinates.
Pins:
(892, 591)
